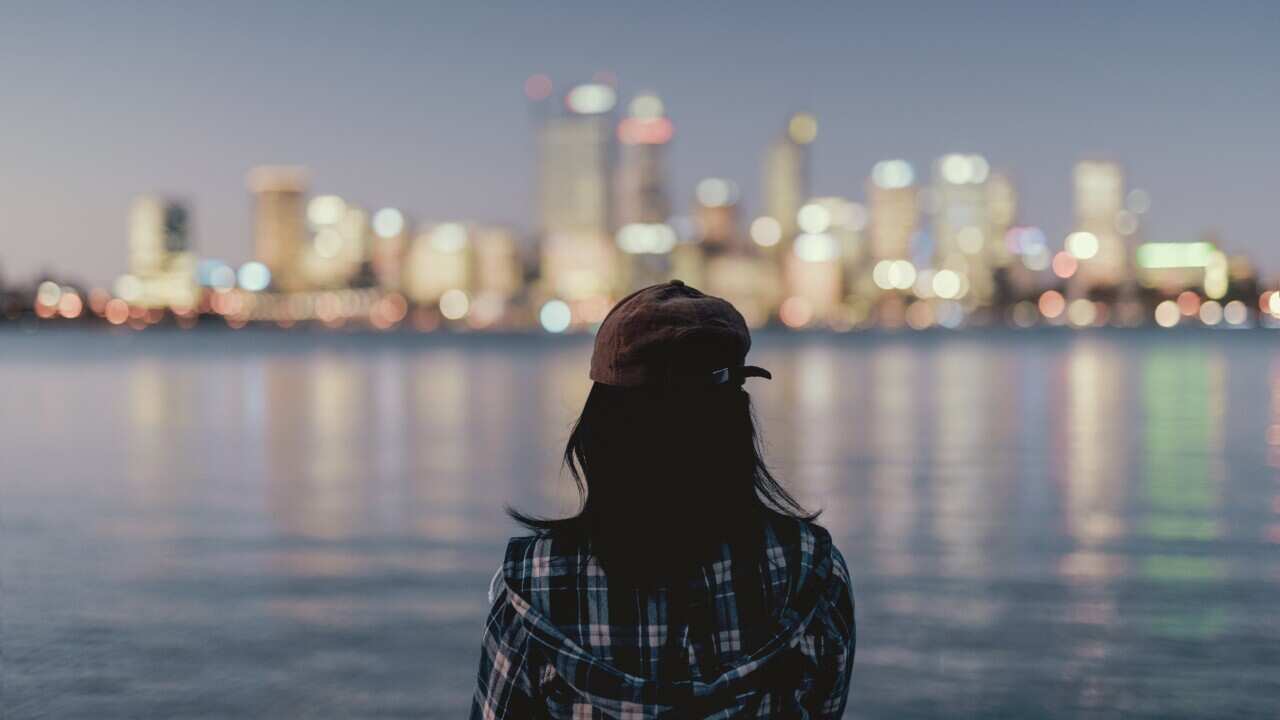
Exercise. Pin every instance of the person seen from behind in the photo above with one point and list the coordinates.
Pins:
(690, 584)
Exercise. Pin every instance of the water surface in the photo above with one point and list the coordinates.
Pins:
(252, 524)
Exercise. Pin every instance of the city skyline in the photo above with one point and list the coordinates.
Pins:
(392, 112)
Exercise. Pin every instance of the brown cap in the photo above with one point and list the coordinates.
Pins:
(668, 330)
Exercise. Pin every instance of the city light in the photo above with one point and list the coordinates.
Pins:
(716, 192)
(946, 284)
(454, 304)
(128, 288)
(802, 128)
(1082, 245)
(1154, 256)
(591, 99)
(765, 231)
(892, 174)
(325, 210)
(388, 223)
(253, 277)
(646, 238)
(1064, 265)
(448, 238)
(963, 169)
(1167, 314)
(1211, 312)
(813, 218)
(816, 247)
(1235, 313)
(555, 316)
(646, 106)
(1051, 304)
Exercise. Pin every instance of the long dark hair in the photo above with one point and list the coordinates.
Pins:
(665, 476)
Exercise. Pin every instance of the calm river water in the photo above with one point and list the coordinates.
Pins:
(255, 524)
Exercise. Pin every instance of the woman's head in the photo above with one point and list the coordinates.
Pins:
(665, 453)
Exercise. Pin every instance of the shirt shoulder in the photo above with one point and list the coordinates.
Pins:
(534, 562)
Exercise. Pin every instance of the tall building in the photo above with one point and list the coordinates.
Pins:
(642, 202)
(162, 267)
(730, 269)
(471, 271)
(786, 173)
(1002, 213)
(961, 231)
(575, 168)
(1099, 200)
(390, 244)
(642, 195)
(279, 223)
(339, 247)
(715, 216)
(815, 267)
(893, 204)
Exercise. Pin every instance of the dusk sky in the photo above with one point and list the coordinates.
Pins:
(419, 105)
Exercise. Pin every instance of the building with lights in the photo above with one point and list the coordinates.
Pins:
(279, 223)
(579, 257)
(468, 270)
(339, 246)
(390, 245)
(729, 266)
(961, 228)
(785, 183)
(162, 266)
(894, 208)
(642, 201)
(1099, 201)
(823, 258)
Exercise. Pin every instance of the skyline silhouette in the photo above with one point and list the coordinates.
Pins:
(422, 108)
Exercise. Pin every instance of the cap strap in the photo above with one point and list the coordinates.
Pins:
(738, 375)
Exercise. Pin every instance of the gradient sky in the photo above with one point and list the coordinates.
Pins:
(419, 105)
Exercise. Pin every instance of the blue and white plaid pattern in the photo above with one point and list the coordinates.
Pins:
(761, 637)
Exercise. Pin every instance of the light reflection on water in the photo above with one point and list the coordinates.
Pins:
(1040, 524)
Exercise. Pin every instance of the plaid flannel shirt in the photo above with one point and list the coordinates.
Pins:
(767, 637)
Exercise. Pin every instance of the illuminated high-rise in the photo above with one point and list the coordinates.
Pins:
(716, 216)
(161, 264)
(1099, 200)
(279, 223)
(961, 232)
(469, 271)
(642, 195)
(390, 243)
(1002, 212)
(816, 268)
(786, 172)
(575, 167)
(642, 202)
(894, 208)
(339, 245)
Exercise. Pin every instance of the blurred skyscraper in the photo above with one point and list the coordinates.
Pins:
(1097, 243)
(390, 244)
(468, 271)
(642, 203)
(575, 168)
(816, 266)
(894, 208)
(339, 246)
(1002, 212)
(786, 173)
(961, 227)
(162, 268)
(279, 223)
